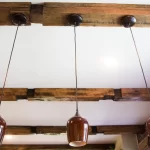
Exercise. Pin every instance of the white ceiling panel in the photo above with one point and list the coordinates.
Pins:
(6, 40)
(142, 36)
(43, 57)
(57, 113)
(106, 57)
(57, 139)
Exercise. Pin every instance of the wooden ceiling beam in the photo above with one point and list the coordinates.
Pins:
(58, 147)
(94, 14)
(53, 130)
(8, 8)
(68, 94)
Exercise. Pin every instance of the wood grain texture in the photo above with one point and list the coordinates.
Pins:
(15, 4)
(8, 8)
(58, 147)
(112, 129)
(56, 14)
(12, 94)
(135, 94)
(68, 94)
(36, 13)
(95, 14)
(121, 129)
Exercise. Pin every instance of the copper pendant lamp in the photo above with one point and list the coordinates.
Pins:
(77, 127)
(17, 19)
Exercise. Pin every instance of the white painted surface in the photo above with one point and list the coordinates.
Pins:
(129, 142)
(58, 139)
(44, 57)
(58, 113)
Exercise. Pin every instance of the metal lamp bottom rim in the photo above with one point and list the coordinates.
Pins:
(77, 143)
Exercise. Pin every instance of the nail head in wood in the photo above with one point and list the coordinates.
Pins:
(18, 19)
(75, 19)
(128, 21)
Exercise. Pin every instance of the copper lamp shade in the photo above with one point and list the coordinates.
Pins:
(2, 129)
(77, 127)
(77, 131)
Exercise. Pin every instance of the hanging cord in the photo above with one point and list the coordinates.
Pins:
(9, 63)
(76, 76)
(140, 62)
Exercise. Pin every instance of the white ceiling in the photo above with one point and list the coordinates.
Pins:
(44, 57)
(57, 113)
(57, 139)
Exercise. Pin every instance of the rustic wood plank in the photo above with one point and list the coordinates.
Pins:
(95, 14)
(26, 130)
(135, 94)
(68, 94)
(36, 14)
(20, 130)
(113, 129)
(55, 14)
(12, 94)
(8, 8)
(121, 129)
(4, 13)
(14, 4)
(127, 6)
(58, 147)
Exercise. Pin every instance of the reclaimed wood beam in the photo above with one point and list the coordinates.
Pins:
(58, 147)
(56, 14)
(95, 14)
(68, 94)
(8, 8)
(53, 130)
(36, 13)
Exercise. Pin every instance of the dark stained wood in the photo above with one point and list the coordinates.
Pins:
(4, 13)
(121, 129)
(8, 8)
(68, 94)
(36, 15)
(135, 94)
(12, 94)
(58, 147)
(14, 4)
(20, 130)
(95, 14)
(51, 130)
(25, 130)
(113, 129)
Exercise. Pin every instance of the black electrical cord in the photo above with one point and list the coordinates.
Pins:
(76, 74)
(144, 77)
(8, 66)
